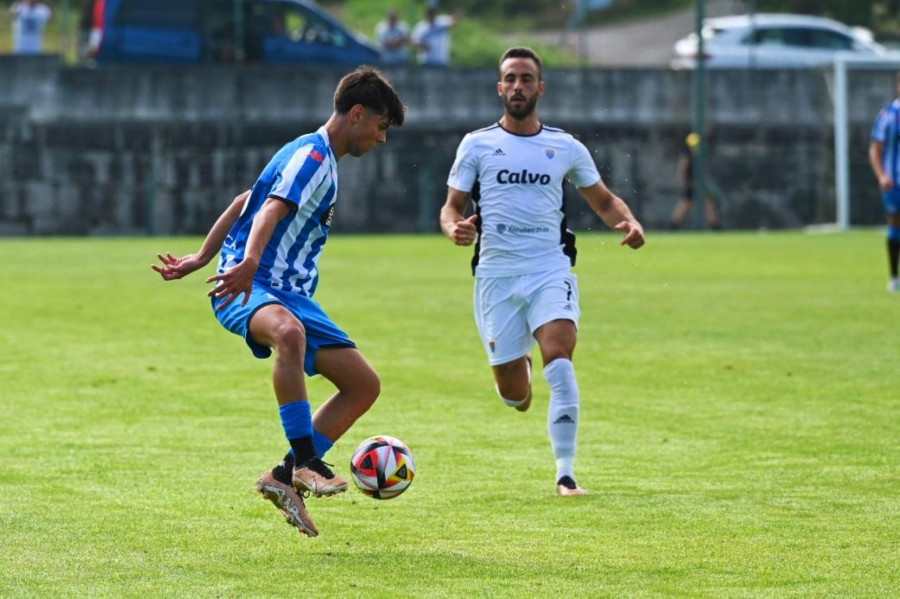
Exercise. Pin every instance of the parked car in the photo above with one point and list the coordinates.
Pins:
(773, 41)
(224, 31)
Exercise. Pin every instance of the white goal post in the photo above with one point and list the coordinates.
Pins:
(844, 62)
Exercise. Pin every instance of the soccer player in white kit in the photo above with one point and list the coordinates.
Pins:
(525, 290)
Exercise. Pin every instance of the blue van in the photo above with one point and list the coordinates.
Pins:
(222, 31)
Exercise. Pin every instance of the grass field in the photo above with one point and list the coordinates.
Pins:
(740, 437)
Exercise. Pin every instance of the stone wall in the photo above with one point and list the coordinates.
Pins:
(161, 150)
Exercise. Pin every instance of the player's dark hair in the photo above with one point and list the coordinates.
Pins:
(522, 52)
(367, 86)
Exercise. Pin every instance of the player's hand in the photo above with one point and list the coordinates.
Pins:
(233, 283)
(885, 183)
(465, 232)
(175, 268)
(634, 233)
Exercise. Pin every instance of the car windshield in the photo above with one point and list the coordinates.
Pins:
(799, 37)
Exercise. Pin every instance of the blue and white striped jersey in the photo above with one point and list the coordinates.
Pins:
(304, 174)
(886, 130)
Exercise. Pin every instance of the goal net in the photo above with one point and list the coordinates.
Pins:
(860, 88)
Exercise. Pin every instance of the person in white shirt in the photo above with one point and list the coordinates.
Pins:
(431, 38)
(393, 37)
(29, 18)
(525, 291)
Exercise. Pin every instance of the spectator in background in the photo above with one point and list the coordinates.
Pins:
(29, 18)
(431, 37)
(393, 37)
(884, 158)
(686, 185)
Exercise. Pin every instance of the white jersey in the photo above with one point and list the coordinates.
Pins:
(516, 182)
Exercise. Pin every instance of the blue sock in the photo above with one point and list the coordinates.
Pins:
(321, 442)
(296, 419)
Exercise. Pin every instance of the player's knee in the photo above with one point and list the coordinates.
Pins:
(371, 387)
(290, 338)
(513, 393)
(364, 388)
(556, 352)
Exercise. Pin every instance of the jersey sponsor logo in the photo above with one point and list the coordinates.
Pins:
(507, 177)
(517, 230)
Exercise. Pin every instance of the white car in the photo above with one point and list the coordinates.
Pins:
(774, 41)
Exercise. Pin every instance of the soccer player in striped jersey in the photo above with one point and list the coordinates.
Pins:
(270, 240)
(884, 157)
(525, 291)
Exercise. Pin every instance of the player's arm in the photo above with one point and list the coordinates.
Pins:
(175, 268)
(238, 280)
(876, 161)
(614, 212)
(460, 230)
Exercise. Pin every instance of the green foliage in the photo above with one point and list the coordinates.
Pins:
(625, 10)
(477, 41)
(739, 410)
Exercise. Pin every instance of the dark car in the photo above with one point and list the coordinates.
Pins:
(224, 31)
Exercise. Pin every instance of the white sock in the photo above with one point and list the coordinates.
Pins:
(562, 417)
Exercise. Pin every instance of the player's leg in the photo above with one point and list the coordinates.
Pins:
(553, 314)
(681, 208)
(265, 324)
(557, 343)
(893, 242)
(503, 326)
(331, 353)
(712, 213)
(513, 383)
(276, 327)
(358, 386)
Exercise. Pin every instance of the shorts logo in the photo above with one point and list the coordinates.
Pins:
(493, 346)
(326, 219)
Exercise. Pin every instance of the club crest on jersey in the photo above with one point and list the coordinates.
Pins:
(549, 153)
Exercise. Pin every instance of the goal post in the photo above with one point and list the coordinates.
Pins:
(843, 64)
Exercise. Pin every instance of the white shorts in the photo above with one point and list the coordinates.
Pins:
(508, 310)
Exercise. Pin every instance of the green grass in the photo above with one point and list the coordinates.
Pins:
(739, 429)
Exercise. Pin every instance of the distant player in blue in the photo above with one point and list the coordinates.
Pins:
(884, 156)
(271, 238)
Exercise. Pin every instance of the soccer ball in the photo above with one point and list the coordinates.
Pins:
(382, 467)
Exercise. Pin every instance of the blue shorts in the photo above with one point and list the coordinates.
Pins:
(320, 330)
(891, 202)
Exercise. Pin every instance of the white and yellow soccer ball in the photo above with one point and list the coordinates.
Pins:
(382, 467)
